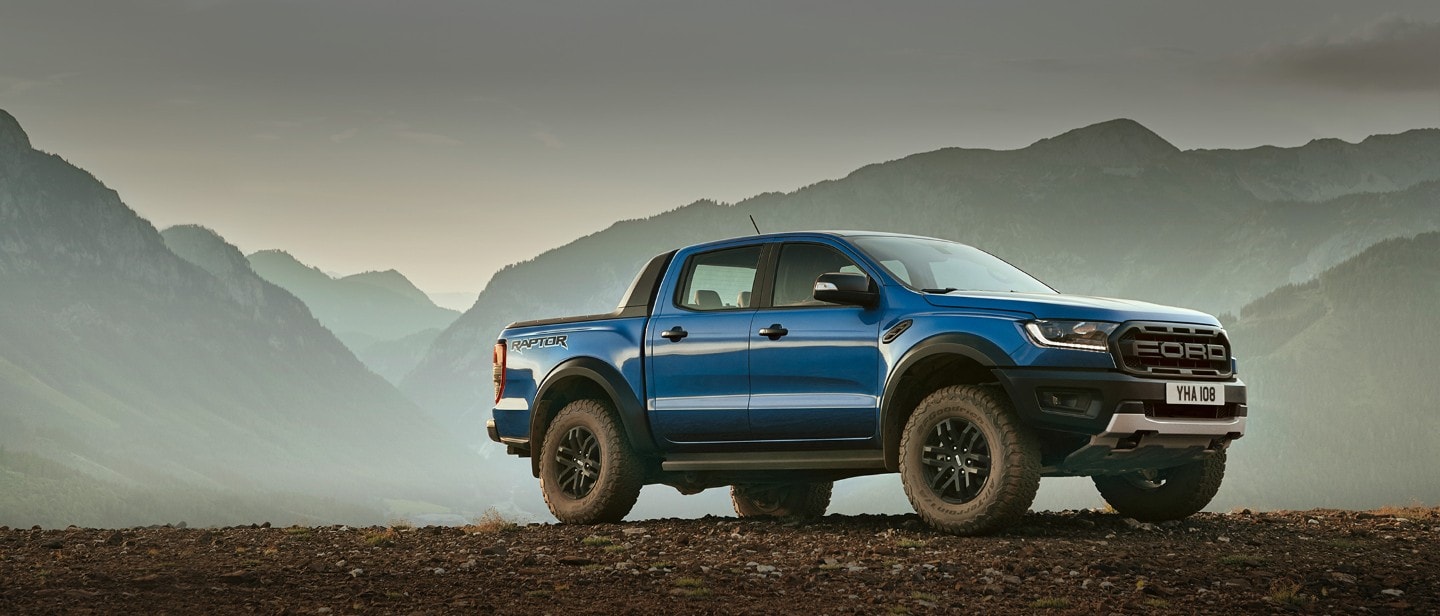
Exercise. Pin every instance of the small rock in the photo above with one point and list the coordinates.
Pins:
(53, 545)
(576, 561)
(764, 569)
(1106, 585)
(322, 610)
(1223, 539)
(115, 538)
(494, 550)
(1312, 521)
(267, 525)
(1343, 578)
(181, 524)
(439, 571)
(1011, 579)
(1138, 525)
(634, 531)
(1392, 592)
(238, 576)
(357, 572)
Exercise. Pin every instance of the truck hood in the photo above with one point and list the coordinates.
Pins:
(1070, 307)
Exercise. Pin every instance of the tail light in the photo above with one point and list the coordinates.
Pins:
(499, 371)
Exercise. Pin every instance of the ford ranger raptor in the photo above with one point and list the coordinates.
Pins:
(777, 364)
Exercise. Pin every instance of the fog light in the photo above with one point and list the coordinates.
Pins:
(1065, 401)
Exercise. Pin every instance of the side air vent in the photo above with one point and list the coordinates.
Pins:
(895, 332)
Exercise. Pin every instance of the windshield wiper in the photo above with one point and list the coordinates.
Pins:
(939, 291)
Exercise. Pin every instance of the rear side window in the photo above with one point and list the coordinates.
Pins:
(720, 280)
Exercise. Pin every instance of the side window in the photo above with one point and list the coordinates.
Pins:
(720, 280)
(799, 266)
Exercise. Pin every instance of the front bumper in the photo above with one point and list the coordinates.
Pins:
(1089, 398)
(1128, 425)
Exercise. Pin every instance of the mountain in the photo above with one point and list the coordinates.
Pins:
(381, 316)
(149, 377)
(1343, 383)
(1111, 209)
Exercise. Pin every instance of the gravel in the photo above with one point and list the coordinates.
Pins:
(1077, 562)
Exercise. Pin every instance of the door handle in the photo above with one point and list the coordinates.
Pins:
(674, 334)
(774, 332)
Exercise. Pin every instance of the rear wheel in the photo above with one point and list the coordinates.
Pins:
(1164, 494)
(588, 474)
(967, 464)
(781, 500)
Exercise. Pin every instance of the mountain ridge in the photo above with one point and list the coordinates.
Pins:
(1339, 358)
(12, 135)
(141, 369)
(379, 315)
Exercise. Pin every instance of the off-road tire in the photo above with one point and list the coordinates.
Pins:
(790, 500)
(615, 478)
(1013, 451)
(1175, 493)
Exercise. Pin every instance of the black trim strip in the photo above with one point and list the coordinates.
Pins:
(773, 460)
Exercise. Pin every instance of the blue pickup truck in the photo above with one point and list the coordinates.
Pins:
(778, 364)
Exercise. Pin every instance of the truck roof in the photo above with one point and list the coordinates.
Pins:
(823, 232)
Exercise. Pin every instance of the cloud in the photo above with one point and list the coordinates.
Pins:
(544, 136)
(345, 135)
(1393, 53)
(403, 131)
(12, 86)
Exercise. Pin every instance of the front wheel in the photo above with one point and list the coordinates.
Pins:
(1164, 494)
(967, 464)
(802, 500)
(588, 473)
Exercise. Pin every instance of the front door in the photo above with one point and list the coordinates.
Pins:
(814, 366)
(699, 341)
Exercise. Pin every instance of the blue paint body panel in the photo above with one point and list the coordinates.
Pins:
(821, 384)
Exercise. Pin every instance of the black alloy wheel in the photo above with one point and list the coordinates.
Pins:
(579, 460)
(957, 460)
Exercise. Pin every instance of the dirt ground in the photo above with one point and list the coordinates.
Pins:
(1087, 562)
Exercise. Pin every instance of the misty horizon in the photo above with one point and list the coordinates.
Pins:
(462, 123)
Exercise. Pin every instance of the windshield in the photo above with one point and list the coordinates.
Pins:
(939, 266)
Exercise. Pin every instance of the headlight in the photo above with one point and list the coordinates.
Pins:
(1077, 335)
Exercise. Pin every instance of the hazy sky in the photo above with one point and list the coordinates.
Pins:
(449, 138)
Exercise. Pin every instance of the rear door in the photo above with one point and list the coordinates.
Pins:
(698, 373)
(820, 378)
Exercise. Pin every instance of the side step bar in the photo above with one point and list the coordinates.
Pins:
(774, 461)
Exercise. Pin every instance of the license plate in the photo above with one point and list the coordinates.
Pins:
(1195, 393)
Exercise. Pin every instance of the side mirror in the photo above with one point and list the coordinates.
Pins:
(850, 289)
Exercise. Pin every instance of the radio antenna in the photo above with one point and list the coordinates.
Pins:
(752, 223)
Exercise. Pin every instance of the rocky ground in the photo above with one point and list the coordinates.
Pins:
(1087, 562)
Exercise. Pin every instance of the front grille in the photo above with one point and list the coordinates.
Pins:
(1165, 410)
(1170, 350)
